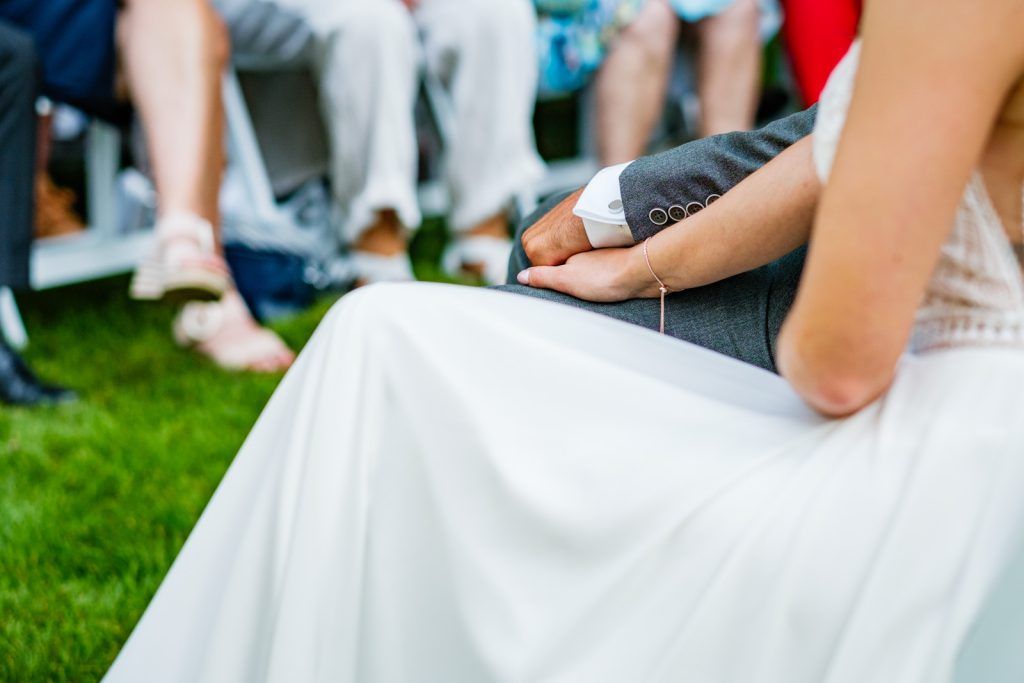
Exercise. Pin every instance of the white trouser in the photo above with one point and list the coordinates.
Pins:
(371, 53)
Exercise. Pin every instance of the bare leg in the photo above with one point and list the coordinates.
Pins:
(495, 226)
(380, 252)
(632, 82)
(481, 252)
(385, 237)
(173, 53)
(367, 69)
(729, 68)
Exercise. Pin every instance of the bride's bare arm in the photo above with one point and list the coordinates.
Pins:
(763, 218)
(932, 80)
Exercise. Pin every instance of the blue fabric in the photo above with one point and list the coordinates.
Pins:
(272, 283)
(695, 10)
(574, 39)
(75, 43)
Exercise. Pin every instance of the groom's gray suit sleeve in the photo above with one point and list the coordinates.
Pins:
(740, 316)
(702, 168)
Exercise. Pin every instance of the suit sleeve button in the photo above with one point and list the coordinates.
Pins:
(693, 207)
(658, 216)
(676, 213)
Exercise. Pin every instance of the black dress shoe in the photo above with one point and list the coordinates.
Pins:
(19, 387)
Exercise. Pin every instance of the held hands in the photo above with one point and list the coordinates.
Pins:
(602, 275)
(565, 261)
(558, 235)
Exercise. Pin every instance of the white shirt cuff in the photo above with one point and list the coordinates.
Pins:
(600, 207)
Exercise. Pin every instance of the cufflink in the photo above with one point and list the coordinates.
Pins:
(676, 213)
(658, 216)
(712, 198)
(615, 206)
(693, 207)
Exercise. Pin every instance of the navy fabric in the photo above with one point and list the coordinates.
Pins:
(75, 43)
(17, 153)
(272, 283)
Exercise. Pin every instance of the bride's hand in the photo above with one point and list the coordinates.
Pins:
(602, 275)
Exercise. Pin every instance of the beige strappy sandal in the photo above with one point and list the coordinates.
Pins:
(184, 265)
(226, 333)
(478, 255)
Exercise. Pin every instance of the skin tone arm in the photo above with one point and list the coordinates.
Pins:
(763, 218)
(932, 80)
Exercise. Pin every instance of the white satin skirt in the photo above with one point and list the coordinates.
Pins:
(456, 485)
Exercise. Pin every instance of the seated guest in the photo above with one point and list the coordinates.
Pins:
(18, 385)
(368, 56)
(631, 44)
(172, 55)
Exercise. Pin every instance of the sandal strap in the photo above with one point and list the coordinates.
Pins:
(186, 225)
(198, 325)
(371, 268)
(490, 252)
(198, 322)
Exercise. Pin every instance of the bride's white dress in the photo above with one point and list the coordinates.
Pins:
(462, 485)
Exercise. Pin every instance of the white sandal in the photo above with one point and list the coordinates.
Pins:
(183, 265)
(369, 268)
(483, 255)
(209, 327)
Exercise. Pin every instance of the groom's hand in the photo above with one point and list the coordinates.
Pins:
(558, 235)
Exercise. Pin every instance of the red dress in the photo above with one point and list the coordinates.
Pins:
(818, 33)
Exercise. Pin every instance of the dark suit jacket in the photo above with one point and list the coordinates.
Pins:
(18, 85)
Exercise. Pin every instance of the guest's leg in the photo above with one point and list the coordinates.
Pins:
(484, 51)
(632, 83)
(18, 88)
(174, 53)
(740, 317)
(367, 68)
(729, 77)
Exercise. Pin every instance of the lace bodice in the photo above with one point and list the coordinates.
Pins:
(976, 295)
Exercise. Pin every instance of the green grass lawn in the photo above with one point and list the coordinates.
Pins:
(96, 498)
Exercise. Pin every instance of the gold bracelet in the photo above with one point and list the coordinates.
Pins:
(661, 285)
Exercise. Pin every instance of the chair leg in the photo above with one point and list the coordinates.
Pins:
(11, 326)
(103, 149)
(244, 151)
